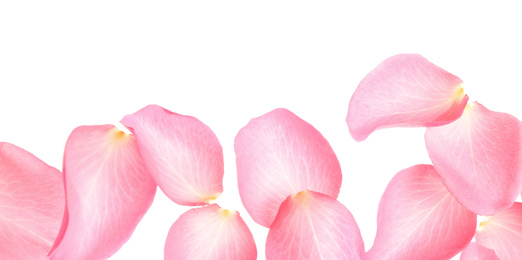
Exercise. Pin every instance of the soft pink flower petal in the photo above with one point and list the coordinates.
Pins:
(419, 219)
(32, 202)
(479, 157)
(503, 233)
(279, 154)
(404, 90)
(108, 190)
(210, 233)
(475, 251)
(312, 225)
(182, 154)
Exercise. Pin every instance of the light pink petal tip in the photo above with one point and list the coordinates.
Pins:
(108, 190)
(182, 154)
(503, 233)
(419, 219)
(210, 233)
(404, 90)
(279, 154)
(475, 251)
(479, 158)
(312, 225)
(32, 202)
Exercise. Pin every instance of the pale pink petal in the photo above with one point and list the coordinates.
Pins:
(419, 219)
(503, 233)
(182, 154)
(475, 251)
(32, 202)
(479, 157)
(404, 90)
(210, 233)
(279, 154)
(108, 190)
(312, 225)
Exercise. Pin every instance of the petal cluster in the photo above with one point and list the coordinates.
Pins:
(477, 165)
(289, 179)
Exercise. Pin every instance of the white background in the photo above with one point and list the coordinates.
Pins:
(65, 64)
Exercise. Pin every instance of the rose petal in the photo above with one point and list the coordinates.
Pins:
(479, 158)
(419, 219)
(182, 154)
(475, 251)
(404, 90)
(108, 190)
(32, 201)
(503, 233)
(312, 225)
(279, 154)
(210, 233)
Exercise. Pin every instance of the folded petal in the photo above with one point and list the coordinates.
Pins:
(210, 233)
(475, 251)
(312, 225)
(503, 233)
(32, 202)
(419, 219)
(182, 154)
(479, 157)
(108, 190)
(277, 155)
(404, 90)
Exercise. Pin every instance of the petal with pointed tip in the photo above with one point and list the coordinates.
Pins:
(419, 219)
(182, 154)
(475, 251)
(210, 233)
(108, 190)
(32, 202)
(503, 233)
(479, 158)
(404, 90)
(312, 225)
(279, 154)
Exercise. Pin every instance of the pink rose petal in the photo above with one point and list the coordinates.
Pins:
(419, 219)
(479, 157)
(312, 225)
(475, 251)
(182, 154)
(32, 202)
(108, 190)
(503, 233)
(210, 233)
(404, 90)
(279, 154)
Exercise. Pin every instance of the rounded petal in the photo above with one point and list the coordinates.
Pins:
(182, 154)
(312, 225)
(404, 90)
(108, 190)
(479, 158)
(503, 233)
(210, 233)
(419, 219)
(279, 154)
(475, 251)
(32, 202)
